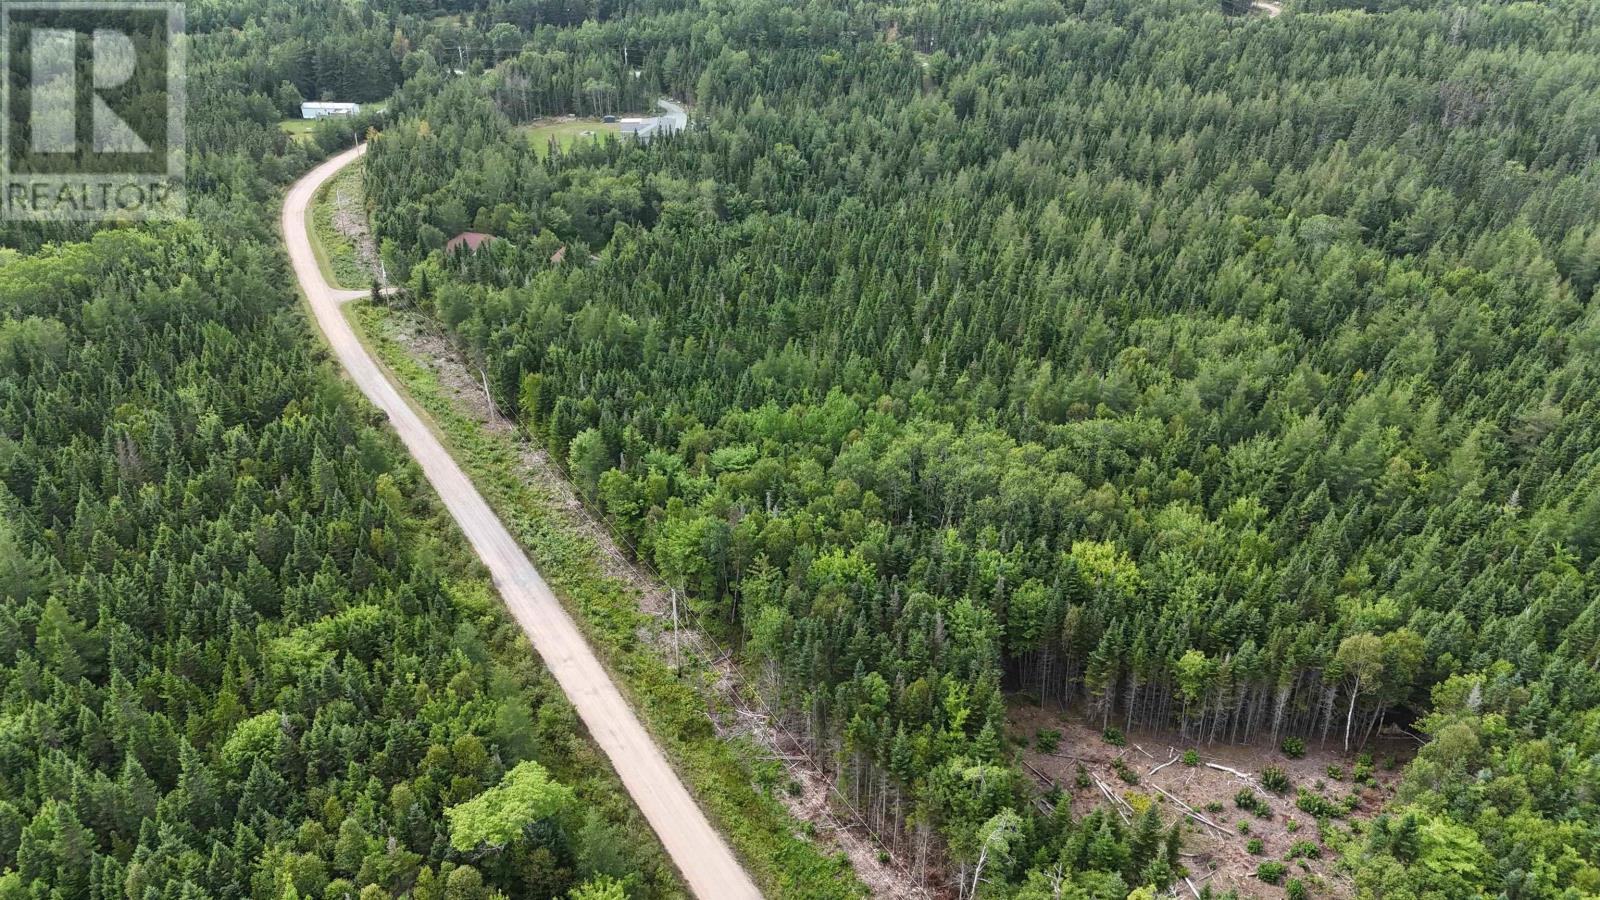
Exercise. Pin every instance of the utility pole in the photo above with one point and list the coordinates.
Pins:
(677, 662)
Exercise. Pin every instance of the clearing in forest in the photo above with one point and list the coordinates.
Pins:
(1232, 807)
(567, 131)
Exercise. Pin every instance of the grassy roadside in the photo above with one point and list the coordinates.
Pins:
(336, 256)
(722, 774)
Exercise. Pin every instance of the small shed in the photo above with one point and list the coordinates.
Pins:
(322, 109)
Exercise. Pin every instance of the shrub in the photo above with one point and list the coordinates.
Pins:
(1291, 826)
(1081, 779)
(1336, 773)
(1297, 890)
(1255, 846)
(1318, 806)
(1305, 849)
(1114, 737)
(1125, 772)
(1214, 807)
(1247, 799)
(1191, 758)
(1293, 747)
(1244, 826)
(1271, 872)
(1047, 740)
(1275, 780)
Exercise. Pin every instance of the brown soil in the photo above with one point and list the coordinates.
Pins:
(1214, 856)
(740, 711)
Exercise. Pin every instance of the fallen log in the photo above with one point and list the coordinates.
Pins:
(1194, 813)
(1234, 772)
(1117, 803)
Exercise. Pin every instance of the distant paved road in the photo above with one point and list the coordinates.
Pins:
(676, 119)
(705, 860)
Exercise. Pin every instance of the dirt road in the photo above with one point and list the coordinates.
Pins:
(700, 853)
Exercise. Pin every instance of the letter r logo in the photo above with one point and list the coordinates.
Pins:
(54, 102)
(53, 113)
(91, 110)
(114, 62)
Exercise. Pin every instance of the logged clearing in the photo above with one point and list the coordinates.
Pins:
(1217, 854)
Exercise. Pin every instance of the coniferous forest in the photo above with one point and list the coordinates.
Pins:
(1230, 374)
(1172, 364)
(242, 655)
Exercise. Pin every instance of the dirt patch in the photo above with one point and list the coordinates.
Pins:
(1216, 854)
(740, 711)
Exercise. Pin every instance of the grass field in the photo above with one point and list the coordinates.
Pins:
(566, 132)
(300, 129)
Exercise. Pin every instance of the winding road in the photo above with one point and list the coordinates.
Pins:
(701, 855)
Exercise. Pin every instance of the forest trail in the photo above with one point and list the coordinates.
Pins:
(699, 852)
